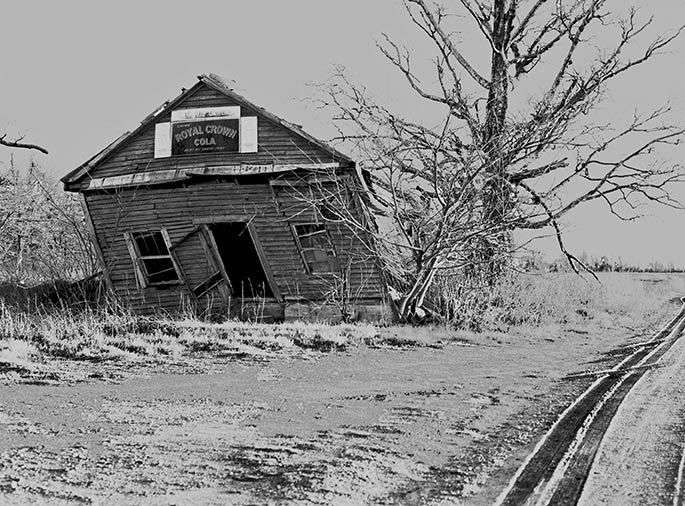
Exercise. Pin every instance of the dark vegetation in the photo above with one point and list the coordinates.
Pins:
(535, 263)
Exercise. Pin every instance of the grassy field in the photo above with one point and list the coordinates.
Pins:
(108, 408)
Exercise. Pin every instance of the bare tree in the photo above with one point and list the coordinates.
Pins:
(502, 160)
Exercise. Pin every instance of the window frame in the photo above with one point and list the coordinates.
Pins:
(142, 276)
(333, 256)
(314, 195)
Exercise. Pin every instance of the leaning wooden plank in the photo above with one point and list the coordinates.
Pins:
(263, 260)
(95, 241)
(140, 275)
(174, 260)
(213, 253)
(144, 178)
(208, 284)
(254, 169)
(138, 179)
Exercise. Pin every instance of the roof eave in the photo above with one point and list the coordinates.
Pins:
(77, 174)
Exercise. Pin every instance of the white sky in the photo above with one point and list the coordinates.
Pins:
(76, 74)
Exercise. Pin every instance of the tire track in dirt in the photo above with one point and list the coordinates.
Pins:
(556, 470)
(679, 492)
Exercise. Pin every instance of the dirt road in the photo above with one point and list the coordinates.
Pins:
(443, 422)
(392, 425)
(641, 458)
(557, 469)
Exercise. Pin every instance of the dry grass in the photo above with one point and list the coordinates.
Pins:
(119, 336)
(532, 299)
(522, 302)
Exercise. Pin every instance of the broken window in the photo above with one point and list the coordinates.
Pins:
(315, 200)
(151, 258)
(316, 247)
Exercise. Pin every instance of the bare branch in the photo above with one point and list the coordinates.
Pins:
(447, 40)
(17, 143)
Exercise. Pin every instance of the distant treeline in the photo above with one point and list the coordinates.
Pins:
(535, 262)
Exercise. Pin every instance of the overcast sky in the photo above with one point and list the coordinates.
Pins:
(75, 75)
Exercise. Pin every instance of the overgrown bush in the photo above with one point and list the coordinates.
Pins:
(43, 236)
(56, 295)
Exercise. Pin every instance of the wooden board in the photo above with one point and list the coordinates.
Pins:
(203, 275)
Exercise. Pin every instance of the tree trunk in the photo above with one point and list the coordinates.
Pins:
(497, 193)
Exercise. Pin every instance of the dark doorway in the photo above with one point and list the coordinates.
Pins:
(241, 261)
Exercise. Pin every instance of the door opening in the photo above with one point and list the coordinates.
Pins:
(241, 260)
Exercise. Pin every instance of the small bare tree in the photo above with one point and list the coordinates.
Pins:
(455, 191)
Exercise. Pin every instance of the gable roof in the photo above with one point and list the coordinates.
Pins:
(217, 83)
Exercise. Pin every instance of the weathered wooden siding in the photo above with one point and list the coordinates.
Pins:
(175, 208)
(276, 144)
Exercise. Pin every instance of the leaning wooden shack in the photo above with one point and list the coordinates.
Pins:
(214, 205)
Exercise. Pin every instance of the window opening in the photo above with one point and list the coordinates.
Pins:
(154, 258)
(316, 247)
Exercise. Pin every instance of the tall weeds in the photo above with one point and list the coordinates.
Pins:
(540, 298)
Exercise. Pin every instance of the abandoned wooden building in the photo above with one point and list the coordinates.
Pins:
(210, 205)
